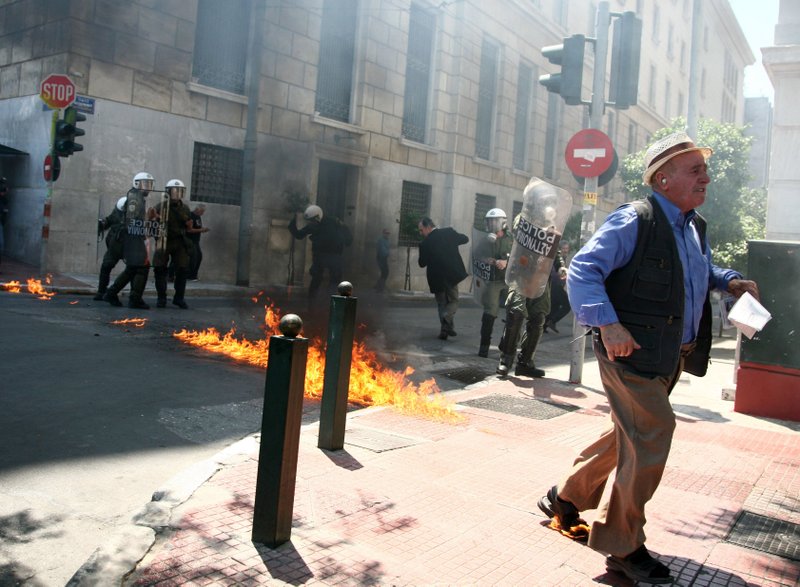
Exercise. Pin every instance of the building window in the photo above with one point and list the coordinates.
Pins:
(483, 204)
(516, 208)
(671, 41)
(633, 130)
(220, 51)
(217, 174)
(487, 89)
(651, 89)
(336, 57)
(667, 99)
(656, 23)
(414, 205)
(681, 104)
(418, 73)
(560, 12)
(522, 120)
(551, 134)
(683, 56)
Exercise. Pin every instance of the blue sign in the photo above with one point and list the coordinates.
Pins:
(84, 104)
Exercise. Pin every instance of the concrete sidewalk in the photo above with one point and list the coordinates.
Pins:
(410, 501)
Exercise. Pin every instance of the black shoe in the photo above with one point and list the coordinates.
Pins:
(112, 299)
(552, 506)
(527, 371)
(138, 305)
(161, 303)
(442, 335)
(449, 330)
(483, 351)
(98, 297)
(640, 566)
(180, 303)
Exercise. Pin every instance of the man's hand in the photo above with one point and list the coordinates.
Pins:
(501, 264)
(737, 287)
(617, 340)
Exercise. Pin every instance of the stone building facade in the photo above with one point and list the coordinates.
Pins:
(380, 111)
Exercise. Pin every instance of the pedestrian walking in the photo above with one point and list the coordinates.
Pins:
(438, 253)
(194, 232)
(642, 284)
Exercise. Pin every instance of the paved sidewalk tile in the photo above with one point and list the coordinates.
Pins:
(456, 505)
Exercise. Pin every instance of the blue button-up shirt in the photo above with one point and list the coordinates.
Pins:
(612, 247)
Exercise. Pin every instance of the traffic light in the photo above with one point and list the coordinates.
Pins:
(67, 129)
(569, 56)
(625, 53)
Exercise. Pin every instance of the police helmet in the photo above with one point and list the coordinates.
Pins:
(121, 203)
(313, 213)
(143, 181)
(495, 220)
(177, 185)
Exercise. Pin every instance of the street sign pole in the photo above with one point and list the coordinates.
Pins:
(48, 196)
(589, 220)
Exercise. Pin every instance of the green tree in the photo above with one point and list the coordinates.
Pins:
(735, 212)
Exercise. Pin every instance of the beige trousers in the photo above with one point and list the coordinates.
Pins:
(637, 443)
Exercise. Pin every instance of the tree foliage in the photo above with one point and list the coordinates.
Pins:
(735, 212)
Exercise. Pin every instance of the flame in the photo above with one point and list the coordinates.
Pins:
(12, 286)
(137, 322)
(371, 383)
(35, 287)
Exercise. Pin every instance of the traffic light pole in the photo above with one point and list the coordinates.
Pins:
(589, 220)
(48, 198)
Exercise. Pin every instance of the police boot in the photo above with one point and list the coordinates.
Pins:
(487, 324)
(138, 303)
(530, 340)
(98, 297)
(111, 297)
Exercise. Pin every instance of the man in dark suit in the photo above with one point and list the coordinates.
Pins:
(438, 252)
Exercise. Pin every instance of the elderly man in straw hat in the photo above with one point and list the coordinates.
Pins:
(641, 283)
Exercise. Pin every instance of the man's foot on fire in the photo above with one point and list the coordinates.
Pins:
(564, 516)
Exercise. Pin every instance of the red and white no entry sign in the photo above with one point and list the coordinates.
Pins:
(57, 91)
(589, 153)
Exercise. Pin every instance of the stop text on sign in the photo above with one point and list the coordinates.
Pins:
(58, 91)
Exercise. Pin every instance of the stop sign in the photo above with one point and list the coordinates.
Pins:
(57, 91)
(589, 153)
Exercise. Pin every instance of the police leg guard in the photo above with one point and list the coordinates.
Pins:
(530, 338)
(160, 275)
(181, 274)
(487, 325)
(508, 342)
(138, 284)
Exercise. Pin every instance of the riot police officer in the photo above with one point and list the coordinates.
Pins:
(113, 223)
(172, 243)
(137, 228)
(497, 253)
(329, 236)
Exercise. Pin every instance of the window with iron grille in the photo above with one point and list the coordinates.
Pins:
(336, 56)
(487, 89)
(523, 116)
(418, 73)
(220, 50)
(217, 174)
(483, 204)
(415, 204)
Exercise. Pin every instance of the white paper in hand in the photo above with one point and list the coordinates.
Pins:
(748, 315)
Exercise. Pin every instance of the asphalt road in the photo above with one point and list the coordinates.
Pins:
(94, 417)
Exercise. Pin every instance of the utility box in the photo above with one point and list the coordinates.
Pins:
(768, 379)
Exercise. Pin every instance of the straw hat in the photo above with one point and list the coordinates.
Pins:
(665, 149)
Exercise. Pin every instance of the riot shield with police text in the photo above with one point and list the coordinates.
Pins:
(158, 229)
(481, 260)
(137, 230)
(537, 232)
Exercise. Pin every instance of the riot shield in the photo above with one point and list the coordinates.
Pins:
(481, 261)
(137, 229)
(158, 229)
(537, 232)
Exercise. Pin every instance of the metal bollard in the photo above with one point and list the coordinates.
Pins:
(338, 357)
(280, 434)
